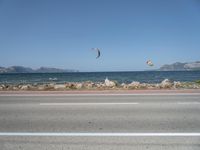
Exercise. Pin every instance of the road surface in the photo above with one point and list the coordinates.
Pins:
(100, 121)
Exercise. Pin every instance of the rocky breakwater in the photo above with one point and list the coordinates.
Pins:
(106, 85)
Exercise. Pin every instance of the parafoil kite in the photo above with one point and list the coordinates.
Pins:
(98, 52)
(150, 63)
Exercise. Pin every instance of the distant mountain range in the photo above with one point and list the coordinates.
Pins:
(178, 66)
(21, 69)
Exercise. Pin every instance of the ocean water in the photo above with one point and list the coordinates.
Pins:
(121, 77)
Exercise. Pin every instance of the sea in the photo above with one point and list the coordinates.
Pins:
(121, 77)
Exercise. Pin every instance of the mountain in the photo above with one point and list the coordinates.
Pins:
(21, 69)
(51, 70)
(178, 66)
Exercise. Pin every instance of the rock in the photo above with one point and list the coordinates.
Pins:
(40, 87)
(59, 86)
(3, 86)
(24, 87)
(157, 86)
(134, 85)
(177, 84)
(87, 84)
(70, 85)
(79, 85)
(124, 85)
(144, 85)
(98, 85)
(49, 86)
(195, 86)
(90, 85)
(166, 84)
(15, 88)
(109, 83)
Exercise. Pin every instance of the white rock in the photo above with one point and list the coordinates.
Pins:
(135, 84)
(143, 85)
(195, 86)
(79, 85)
(177, 84)
(166, 83)
(124, 85)
(3, 86)
(109, 83)
(59, 87)
(157, 85)
(15, 88)
(40, 87)
(24, 87)
(99, 85)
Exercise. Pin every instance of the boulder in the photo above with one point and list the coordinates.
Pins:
(70, 85)
(88, 84)
(124, 85)
(40, 87)
(59, 86)
(166, 83)
(134, 85)
(177, 84)
(49, 86)
(15, 88)
(157, 86)
(24, 87)
(3, 86)
(143, 85)
(195, 86)
(98, 85)
(109, 83)
(79, 86)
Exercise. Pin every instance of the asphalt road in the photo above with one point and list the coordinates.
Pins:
(100, 122)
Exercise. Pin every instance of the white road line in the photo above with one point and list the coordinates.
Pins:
(61, 104)
(66, 134)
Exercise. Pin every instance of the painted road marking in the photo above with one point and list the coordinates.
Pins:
(66, 134)
(56, 104)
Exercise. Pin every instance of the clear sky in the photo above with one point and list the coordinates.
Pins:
(61, 33)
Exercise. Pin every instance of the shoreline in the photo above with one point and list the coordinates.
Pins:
(103, 92)
(108, 85)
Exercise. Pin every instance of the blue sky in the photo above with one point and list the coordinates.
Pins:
(56, 33)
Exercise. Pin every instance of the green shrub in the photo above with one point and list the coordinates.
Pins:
(198, 81)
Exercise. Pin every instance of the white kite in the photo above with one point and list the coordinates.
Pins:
(150, 63)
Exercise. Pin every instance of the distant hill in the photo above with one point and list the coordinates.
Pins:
(21, 69)
(178, 66)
